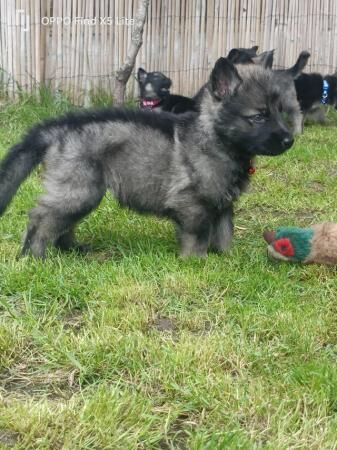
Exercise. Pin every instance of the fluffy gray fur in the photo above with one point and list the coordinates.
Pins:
(188, 168)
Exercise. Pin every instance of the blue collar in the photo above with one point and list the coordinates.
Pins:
(325, 92)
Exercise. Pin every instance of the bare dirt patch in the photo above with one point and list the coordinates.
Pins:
(8, 438)
(22, 380)
(163, 324)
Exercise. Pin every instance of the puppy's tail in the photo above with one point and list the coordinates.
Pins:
(300, 64)
(18, 164)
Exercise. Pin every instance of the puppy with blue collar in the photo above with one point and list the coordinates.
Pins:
(314, 91)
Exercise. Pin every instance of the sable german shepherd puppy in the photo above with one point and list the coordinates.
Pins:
(189, 168)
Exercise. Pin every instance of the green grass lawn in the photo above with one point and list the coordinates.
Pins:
(130, 347)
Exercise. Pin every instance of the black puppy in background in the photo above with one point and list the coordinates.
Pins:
(155, 94)
(313, 92)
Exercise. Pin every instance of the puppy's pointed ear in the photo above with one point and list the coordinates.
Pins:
(141, 75)
(224, 79)
(168, 82)
(265, 59)
(255, 48)
(233, 55)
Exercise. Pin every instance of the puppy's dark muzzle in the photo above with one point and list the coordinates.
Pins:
(275, 148)
(279, 144)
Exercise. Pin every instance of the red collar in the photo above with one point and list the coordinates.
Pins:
(251, 169)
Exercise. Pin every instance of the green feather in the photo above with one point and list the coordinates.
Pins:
(300, 239)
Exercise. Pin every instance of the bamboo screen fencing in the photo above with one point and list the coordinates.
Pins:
(76, 45)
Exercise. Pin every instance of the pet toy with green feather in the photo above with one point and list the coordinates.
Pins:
(315, 244)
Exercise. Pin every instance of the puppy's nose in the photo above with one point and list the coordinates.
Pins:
(287, 142)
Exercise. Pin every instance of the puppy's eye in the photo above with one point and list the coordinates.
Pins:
(259, 118)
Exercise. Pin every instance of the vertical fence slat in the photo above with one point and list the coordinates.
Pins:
(10, 66)
(334, 38)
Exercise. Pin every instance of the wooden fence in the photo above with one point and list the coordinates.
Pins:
(75, 46)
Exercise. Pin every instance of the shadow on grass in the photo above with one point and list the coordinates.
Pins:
(116, 245)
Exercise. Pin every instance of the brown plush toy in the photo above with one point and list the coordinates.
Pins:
(316, 244)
